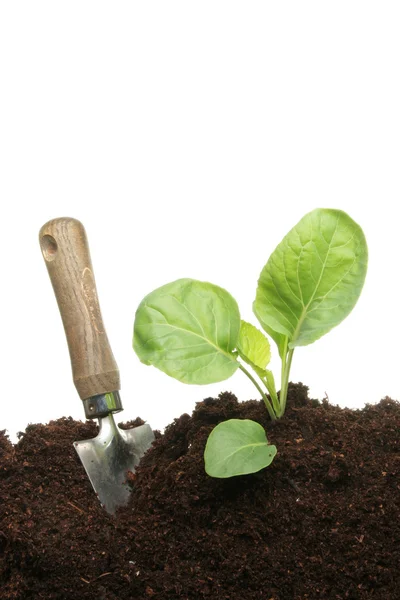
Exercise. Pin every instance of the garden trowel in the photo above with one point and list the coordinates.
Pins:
(108, 457)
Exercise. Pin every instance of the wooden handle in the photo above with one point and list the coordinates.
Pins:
(66, 253)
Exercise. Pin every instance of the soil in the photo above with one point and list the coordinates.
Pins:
(322, 522)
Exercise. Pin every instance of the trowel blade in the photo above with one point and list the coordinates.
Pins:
(109, 456)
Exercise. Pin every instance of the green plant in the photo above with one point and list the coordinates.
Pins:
(192, 330)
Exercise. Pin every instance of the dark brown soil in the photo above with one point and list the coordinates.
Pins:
(323, 521)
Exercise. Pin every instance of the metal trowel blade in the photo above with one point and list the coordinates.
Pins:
(109, 456)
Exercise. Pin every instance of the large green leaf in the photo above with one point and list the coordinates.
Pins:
(188, 329)
(313, 279)
(253, 346)
(237, 447)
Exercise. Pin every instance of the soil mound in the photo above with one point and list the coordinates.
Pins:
(323, 521)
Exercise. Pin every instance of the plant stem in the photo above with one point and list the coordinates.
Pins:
(266, 401)
(270, 385)
(286, 364)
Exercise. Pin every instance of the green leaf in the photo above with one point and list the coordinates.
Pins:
(313, 279)
(253, 346)
(188, 329)
(237, 447)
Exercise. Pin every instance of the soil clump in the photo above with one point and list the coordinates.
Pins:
(323, 521)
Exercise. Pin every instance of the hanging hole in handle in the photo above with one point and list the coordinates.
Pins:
(49, 247)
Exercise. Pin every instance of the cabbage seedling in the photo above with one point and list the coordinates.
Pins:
(192, 330)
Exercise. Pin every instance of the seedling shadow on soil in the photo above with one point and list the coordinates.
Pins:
(321, 522)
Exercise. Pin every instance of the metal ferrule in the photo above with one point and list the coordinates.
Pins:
(102, 405)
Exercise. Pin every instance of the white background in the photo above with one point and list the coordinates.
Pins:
(189, 137)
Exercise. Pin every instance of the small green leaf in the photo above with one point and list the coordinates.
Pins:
(188, 329)
(253, 346)
(237, 447)
(313, 278)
